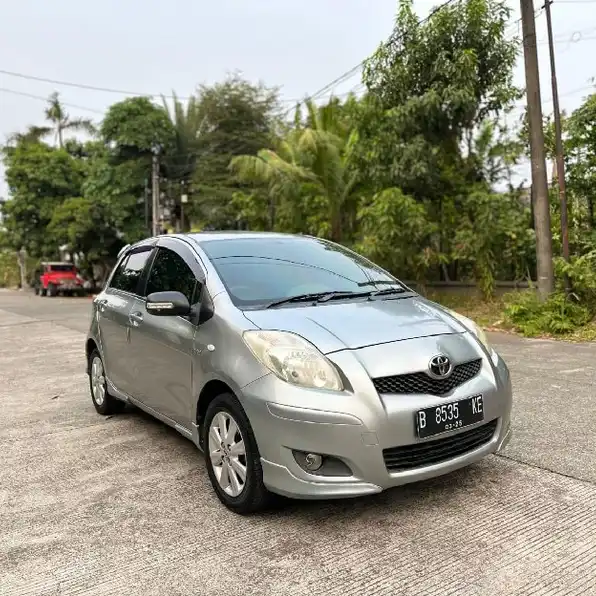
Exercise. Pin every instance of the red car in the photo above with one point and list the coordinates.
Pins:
(54, 278)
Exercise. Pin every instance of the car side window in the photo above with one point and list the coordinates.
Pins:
(126, 277)
(170, 273)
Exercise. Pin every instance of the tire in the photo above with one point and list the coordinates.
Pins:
(42, 292)
(52, 290)
(104, 403)
(253, 495)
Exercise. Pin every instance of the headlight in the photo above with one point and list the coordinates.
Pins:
(293, 359)
(478, 332)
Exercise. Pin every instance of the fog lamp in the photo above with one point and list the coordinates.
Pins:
(313, 461)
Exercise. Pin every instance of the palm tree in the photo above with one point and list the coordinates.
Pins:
(318, 156)
(33, 134)
(61, 121)
(188, 123)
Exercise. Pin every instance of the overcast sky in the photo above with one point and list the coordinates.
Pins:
(148, 46)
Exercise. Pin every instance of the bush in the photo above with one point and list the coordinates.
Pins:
(564, 312)
(559, 315)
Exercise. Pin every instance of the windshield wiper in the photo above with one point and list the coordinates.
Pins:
(299, 298)
(380, 282)
(318, 297)
(337, 295)
(396, 290)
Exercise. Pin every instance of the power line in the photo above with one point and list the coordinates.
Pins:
(317, 95)
(39, 79)
(45, 99)
(355, 69)
(28, 77)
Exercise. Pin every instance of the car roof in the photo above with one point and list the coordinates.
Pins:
(216, 235)
(200, 237)
(57, 263)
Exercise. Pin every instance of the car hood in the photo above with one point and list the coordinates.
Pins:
(356, 324)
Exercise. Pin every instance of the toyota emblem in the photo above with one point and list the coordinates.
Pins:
(439, 366)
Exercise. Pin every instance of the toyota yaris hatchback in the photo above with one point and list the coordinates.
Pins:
(297, 366)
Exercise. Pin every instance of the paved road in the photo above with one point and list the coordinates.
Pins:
(122, 506)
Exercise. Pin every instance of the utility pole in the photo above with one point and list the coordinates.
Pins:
(558, 135)
(155, 188)
(146, 198)
(544, 246)
(183, 201)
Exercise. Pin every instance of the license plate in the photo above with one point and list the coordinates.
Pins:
(451, 416)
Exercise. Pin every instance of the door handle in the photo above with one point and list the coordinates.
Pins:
(135, 318)
(101, 304)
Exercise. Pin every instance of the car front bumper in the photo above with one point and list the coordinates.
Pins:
(356, 428)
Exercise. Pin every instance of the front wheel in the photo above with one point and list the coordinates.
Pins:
(232, 457)
(104, 403)
(52, 290)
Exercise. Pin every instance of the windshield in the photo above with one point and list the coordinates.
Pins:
(62, 268)
(258, 271)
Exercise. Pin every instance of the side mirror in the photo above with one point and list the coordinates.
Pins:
(168, 304)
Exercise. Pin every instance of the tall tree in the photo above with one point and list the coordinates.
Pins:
(39, 179)
(188, 123)
(239, 118)
(316, 159)
(430, 86)
(61, 121)
(121, 170)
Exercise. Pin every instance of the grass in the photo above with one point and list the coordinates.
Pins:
(489, 315)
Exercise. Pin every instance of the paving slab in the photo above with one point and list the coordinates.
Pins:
(122, 506)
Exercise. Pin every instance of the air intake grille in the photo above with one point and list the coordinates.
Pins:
(408, 457)
(420, 382)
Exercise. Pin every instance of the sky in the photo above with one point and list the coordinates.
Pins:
(152, 47)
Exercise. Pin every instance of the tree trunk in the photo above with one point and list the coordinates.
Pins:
(22, 261)
(271, 213)
(336, 224)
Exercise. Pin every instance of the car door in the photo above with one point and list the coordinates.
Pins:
(113, 306)
(162, 345)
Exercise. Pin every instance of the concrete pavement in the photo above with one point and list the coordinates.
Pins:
(123, 506)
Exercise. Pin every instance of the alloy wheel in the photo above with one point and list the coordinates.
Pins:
(98, 381)
(227, 452)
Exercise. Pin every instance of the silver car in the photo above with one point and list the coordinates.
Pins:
(299, 367)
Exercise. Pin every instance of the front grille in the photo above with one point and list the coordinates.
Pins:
(420, 382)
(398, 459)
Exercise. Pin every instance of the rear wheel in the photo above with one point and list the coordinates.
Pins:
(232, 457)
(104, 403)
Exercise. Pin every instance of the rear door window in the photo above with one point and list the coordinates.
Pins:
(128, 274)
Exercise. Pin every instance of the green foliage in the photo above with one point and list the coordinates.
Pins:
(581, 272)
(562, 313)
(86, 226)
(396, 233)
(492, 229)
(10, 276)
(417, 174)
(39, 177)
(136, 125)
(237, 118)
(312, 167)
(559, 315)
(430, 86)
